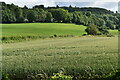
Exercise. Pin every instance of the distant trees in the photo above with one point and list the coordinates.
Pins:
(57, 6)
(49, 17)
(59, 15)
(7, 15)
(103, 30)
(78, 17)
(11, 13)
(40, 15)
(110, 24)
(31, 15)
(19, 14)
(39, 6)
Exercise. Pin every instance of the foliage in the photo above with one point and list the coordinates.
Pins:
(110, 24)
(49, 17)
(115, 75)
(5, 76)
(31, 15)
(103, 30)
(92, 30)
(19, 14)
(40, 15)
(59, 15)
(60, 76)
(8, 16)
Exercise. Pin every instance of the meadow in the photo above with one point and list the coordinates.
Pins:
(81, 57)
(40, 30)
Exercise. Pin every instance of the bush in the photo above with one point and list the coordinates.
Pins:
(103, 30)
(110, 35)
(115, 75)
(55, 35)
(5, 77)
(92, 30)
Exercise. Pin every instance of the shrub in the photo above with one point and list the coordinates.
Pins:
(115, 75)
(5, 77)
(55, 35)
(110, 35)
(103, 30)
(92, 30)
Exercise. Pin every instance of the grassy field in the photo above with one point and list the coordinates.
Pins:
(113, 32)
(79, 56)
(43, 29)
(28, 31)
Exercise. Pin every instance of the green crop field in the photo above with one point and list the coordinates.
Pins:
(28, 31)
(88, 56)
(43, 29)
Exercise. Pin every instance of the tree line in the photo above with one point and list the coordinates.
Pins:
(102, 18)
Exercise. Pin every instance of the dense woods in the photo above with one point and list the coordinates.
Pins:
(102, 18)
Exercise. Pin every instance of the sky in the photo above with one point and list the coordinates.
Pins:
(107, 4)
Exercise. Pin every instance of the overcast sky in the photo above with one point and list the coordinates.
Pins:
(108, 4)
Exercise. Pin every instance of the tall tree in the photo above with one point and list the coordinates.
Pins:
(40, 14)
(60, 15)
(31, 15)
(7, 15)
(49, 17)
(19, 14)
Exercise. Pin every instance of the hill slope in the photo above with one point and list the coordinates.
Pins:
(41, 30)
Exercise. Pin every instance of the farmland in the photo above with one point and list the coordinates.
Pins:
(40, 30)
(80, 56)
(45, 29)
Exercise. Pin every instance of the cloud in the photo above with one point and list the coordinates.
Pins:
(31, 3)
(119, 7)
(108, 5)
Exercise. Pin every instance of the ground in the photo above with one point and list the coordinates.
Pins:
(78, 55)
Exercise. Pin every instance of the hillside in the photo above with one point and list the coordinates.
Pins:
(30, 30)
(43, 29)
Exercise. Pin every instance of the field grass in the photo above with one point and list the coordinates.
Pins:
(113, 32)
(42, 29)
(28, 31)
(79, 56)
